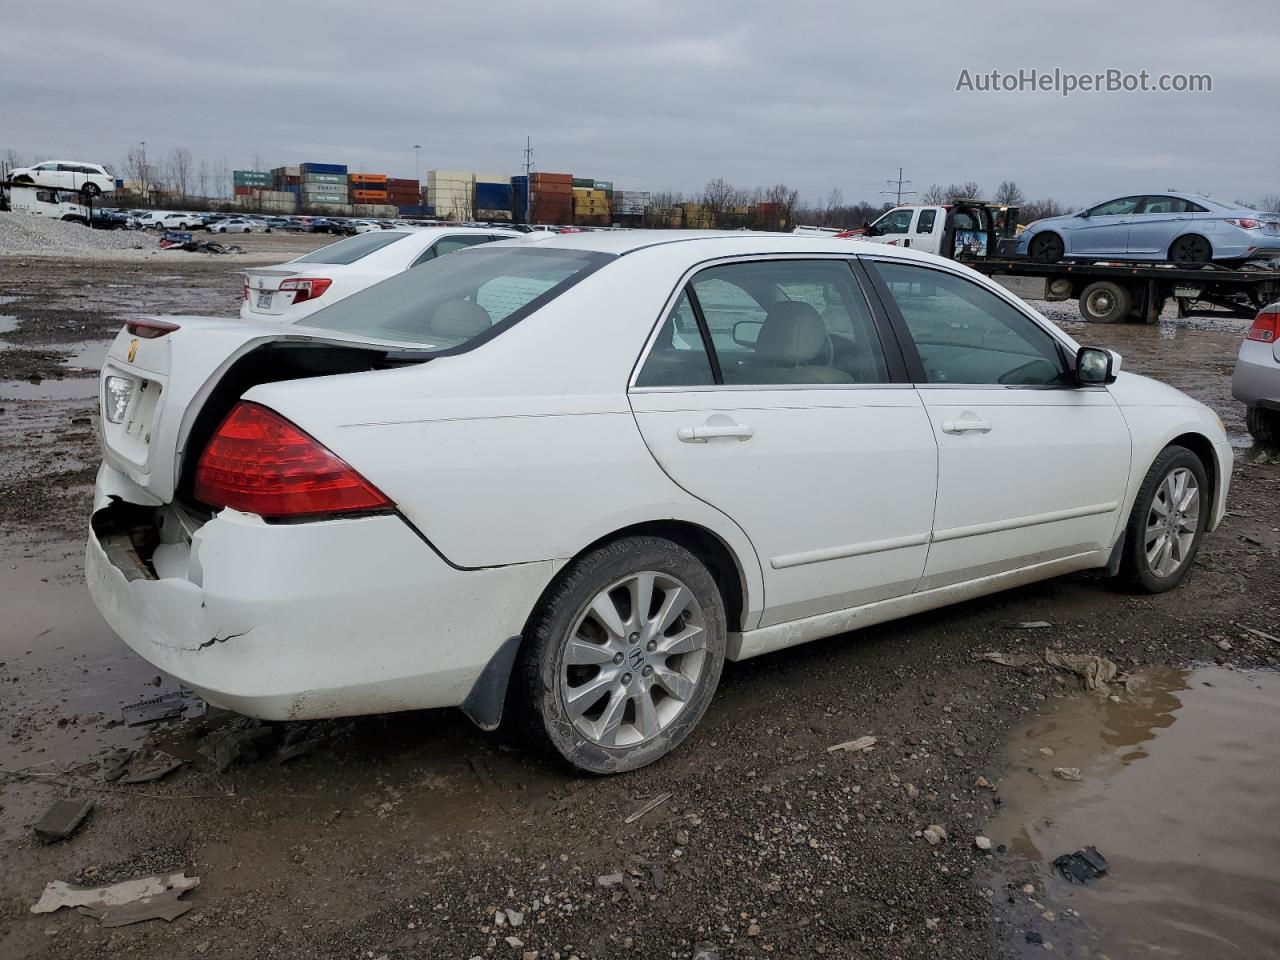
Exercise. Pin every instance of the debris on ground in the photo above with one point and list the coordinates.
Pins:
(1067, 773)
(861, 745)
(935, 833)
(1082, 866)
(237, 745)
(609, 880)
(1034, 625)
(165, 707)
(656, 802)
(147, 766)
(1094, 672)
(103, 901)
(1259, 634)
(982, 843)
(1008, 659)
(1033, 937)
(62, 819)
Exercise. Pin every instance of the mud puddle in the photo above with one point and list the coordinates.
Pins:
(37, 388)
(1178, 791)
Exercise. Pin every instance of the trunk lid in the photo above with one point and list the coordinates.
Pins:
(262, 289)
(171, 379)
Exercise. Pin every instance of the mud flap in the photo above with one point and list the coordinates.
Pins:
(1112, 568)
(483, 705)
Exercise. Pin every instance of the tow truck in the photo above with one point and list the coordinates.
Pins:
(57, 204)
(984, 236)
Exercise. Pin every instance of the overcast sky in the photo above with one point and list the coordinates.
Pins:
(656, 95)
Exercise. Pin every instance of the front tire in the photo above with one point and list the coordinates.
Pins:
(1263, 425)
(622, 658)
(1046, 248)
(1167, 523)
(91, 190)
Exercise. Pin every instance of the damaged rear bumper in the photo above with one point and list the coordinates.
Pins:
(309, 620)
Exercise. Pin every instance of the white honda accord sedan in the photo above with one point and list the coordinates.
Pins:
(572, 478)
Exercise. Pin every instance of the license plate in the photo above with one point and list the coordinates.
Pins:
(264, 299)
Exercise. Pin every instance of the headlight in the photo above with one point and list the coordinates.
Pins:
(115, 402)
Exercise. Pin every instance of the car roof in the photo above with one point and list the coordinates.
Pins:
(704, 242)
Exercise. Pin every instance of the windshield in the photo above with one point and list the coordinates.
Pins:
(351, 249)
(448, 302)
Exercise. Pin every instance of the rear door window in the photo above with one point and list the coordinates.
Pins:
(925, 223)
(451, 245)
(353, 248)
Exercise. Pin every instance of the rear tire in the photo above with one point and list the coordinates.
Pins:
(1046, 248)
(1190, 248)
(1167, 523)
(90, 190)
(1263, 425)
(1105, 302)
(600, 680)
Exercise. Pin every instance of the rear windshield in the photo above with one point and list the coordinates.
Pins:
(353, 248)
(453, 300)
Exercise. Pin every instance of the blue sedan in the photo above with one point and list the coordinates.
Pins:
(1176, 227)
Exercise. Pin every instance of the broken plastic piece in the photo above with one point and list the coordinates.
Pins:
(164, 707)
(1082, 866)
(861, 745)
(58, 893)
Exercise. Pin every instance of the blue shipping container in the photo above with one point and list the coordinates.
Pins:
(340, 168)
(417, 211)
(493, 196)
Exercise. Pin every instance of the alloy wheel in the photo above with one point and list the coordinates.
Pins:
(1172, 522)
(633, 659)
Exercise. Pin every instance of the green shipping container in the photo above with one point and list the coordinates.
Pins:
(584, 182)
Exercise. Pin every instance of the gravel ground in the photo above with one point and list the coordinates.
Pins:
(29, 236)
(407, 834)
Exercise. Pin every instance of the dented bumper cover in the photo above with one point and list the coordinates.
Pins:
(310, 620)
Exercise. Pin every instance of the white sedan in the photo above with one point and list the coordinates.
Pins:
(90, 179)
(230, 225)
(290, 291)
(576, 476)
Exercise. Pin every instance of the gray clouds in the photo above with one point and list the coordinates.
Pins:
(661, 95)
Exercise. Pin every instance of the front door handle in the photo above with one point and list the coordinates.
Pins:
(966, 425)
(705, 432)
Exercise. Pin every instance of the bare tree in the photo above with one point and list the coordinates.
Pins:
(137, 170)
(832, 215)
(222, 178)
(970, 189)
(1270, 203)
(1039, 209)
(662, 208)
(719, 197)
(202, 178)
(936, 194)
(180, 171)
(781, 206)
(1009, 194)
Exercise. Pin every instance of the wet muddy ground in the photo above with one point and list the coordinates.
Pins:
(403, 834)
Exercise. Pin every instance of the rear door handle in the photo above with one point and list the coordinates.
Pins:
(701, 434)
(966, 425)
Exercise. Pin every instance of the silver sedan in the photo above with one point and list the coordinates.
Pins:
(1256, 382)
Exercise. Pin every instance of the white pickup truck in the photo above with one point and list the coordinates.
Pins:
(958, 230)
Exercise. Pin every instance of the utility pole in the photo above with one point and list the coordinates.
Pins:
(898, 191)
(146, 190)
(417, 164)
(528, 184)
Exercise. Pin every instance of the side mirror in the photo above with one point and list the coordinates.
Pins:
(1083, 214)
(868, 230)
(1096, 367)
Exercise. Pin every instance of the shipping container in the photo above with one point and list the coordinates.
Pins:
(492, 178)
(340, 169)
(605, 185)
(417, 210)
(583, 182)
(249, 178)
(368, 196)
(294, 171)
(538, 177)
(333, 178)
(493, 196)
(378, 178)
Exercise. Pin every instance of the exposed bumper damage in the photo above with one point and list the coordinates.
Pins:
(306, 620)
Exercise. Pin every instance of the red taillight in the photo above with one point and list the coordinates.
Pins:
(1266, 325)
(150, 329)
(1244, 222)
(306, 288)
(259, 462)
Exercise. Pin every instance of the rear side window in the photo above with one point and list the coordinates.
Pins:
(353, 248)
(678, 358)
(925, 223)
(451, 245)
(449, 301)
